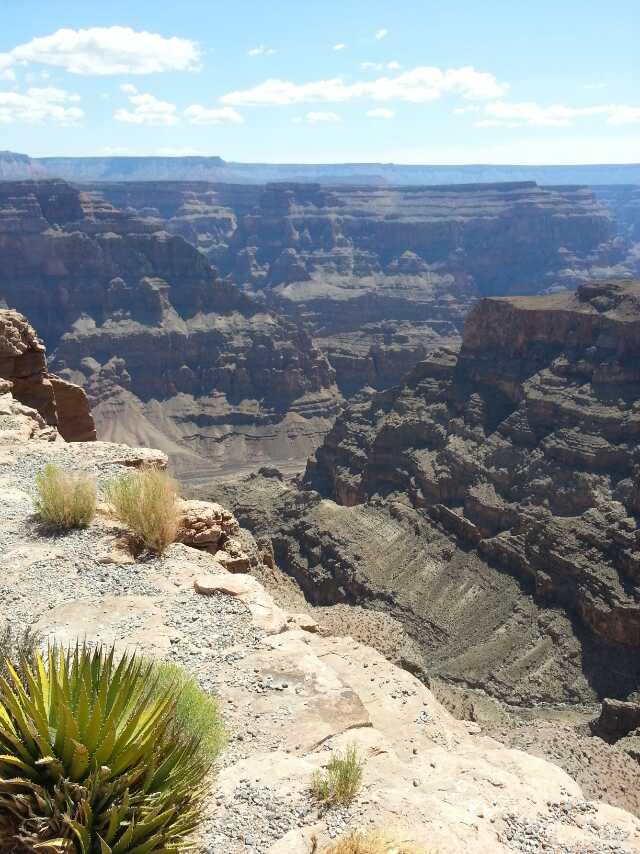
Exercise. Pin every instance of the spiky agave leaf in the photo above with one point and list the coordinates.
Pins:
(90, 760)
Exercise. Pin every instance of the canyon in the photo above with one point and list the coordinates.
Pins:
(165, 348)
(292, 692)
(265, 306)
(489, 503)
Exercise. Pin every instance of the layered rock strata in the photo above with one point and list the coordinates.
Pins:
(382, 275)
(524, 447)
(23, 368)
(168, 352)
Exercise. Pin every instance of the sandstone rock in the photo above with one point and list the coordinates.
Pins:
(23, 371)
(205, 525)
(303, 622)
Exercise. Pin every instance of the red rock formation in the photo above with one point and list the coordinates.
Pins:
(23, 366)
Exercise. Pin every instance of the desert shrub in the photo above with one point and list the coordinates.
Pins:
(196, 713)
(91, 761)
(18, 646)
(360, 842)
(338, 783)
(145, 501)
(65, 499)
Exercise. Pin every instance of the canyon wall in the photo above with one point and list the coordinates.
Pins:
(524, 448)
(168, 352)
(382, 275)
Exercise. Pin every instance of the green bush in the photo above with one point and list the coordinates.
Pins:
(196, 713)
(145, 501)
(65, 499)
(91, 760)
(338, 784)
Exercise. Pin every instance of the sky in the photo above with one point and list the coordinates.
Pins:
(322, 81)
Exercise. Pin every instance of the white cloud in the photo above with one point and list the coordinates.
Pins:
(314, 118)
(39, 104)
(178, 152)
(380, 66)
(419, 85)
(8, 74)
(106, 50)
(531, 114)
(380, 113)
(196, 114)
(339, 46)
(113, 150)
(381, 34)
(128, 88)
(148, 110)
(261, 50)
(594, 86)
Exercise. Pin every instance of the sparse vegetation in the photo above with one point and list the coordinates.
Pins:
(196, 713)
(91, 761)
(370, 843)
(17, 646)
(65, 499)
(374, 842)
(338, 783)
(145, 501)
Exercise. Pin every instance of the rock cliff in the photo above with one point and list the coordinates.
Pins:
(524, 448)
(290, 696)
(23, 372)
(381, 275)
(168, 352)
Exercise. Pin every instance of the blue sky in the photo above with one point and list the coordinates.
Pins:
(460, 81)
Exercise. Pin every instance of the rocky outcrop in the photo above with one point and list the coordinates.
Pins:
(382, 275)
(523, 447)
(168, 352)
(23, 366)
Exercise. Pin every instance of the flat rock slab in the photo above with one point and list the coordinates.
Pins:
(125, 621)
(266, 615)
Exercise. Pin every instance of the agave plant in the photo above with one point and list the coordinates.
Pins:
(90, 758)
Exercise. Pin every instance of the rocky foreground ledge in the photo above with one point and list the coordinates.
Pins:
(290, 695)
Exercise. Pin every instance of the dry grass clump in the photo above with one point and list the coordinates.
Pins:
(370, 843)
(65, 499)
(145, 501)
(338, 783)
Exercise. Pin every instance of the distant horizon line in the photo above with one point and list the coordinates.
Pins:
(360, 163)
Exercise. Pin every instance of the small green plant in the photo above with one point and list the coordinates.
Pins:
(91, 761)
(196, 713)
(65, 499)
(17, 645)
(145, 501)
(338, 783)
